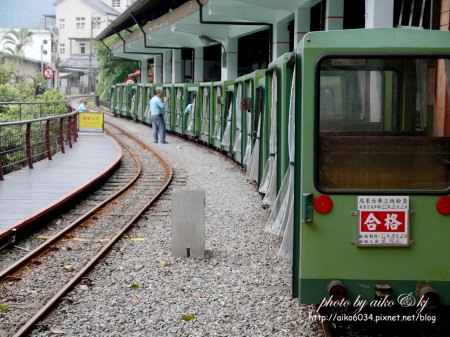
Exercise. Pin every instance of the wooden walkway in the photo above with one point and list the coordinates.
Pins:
(29, 194)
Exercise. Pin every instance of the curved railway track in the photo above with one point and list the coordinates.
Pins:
(69, 255)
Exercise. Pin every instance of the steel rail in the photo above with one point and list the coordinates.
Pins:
(44, 247)
(55, 299)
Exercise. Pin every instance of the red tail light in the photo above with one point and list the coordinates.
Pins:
(443, 205)
(429, 296)
(337, 291)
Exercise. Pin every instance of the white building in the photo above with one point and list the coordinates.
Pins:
(78, 22)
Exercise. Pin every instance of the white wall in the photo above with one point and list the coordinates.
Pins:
(69, 11)
(124, 4)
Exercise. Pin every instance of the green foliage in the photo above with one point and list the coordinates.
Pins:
(4, 75)
(8, 93)
(111, 71)
(50, 96)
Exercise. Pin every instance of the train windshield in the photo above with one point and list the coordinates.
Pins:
(382, 125)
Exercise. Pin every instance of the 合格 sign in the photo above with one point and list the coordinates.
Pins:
(383, 221)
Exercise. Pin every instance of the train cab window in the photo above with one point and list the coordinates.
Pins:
(379, 129)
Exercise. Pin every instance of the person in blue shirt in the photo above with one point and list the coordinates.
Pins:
(157, 116)
(83, 107)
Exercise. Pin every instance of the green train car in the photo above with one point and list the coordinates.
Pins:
(372, 166)
(362, 158)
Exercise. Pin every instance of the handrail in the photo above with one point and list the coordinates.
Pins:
(26, 103)
(43, 119)
(17, 111)
(23, 143)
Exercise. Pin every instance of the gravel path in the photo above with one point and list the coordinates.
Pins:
(241, 287)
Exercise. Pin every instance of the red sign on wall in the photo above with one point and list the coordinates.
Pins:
(383, 221)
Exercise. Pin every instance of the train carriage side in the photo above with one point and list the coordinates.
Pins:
(218, 113)
(191, 111)
(180, 105)
(139, 100)
(275, 152)
(122, 99)
(134, 104)
(130, 100)
(205, 123)
(250, 100)
(372, 158)
(148, 91)
(113, 99)
(229, 121)
(169, 113)
(245, 89)
(144, 91)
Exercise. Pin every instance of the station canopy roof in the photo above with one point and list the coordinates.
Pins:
(169, 24)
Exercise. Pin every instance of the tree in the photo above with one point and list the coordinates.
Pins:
(111, 71)
(14, 43)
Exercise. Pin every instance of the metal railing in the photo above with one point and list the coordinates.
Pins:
(23, 143)
(18, 111)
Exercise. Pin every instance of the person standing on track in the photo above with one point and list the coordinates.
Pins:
(157, 116)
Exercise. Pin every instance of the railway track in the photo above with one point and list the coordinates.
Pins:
(31, 286)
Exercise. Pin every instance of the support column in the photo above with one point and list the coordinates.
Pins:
(302, 24)
(379, 13)
(280, 37)
(157, 69)
(176, 66)
(167, 66)
(229, 65)
(334, 16)
(144, 71)
(198, 65)
(442, 111)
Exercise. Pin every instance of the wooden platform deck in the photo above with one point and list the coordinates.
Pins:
(29, 194)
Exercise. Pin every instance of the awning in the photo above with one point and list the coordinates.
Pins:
(137, 73)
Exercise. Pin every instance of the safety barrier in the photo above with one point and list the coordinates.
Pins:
(23, 143)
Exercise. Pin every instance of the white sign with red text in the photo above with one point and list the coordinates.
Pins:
(383, 221)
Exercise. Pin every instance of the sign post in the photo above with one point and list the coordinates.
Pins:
(48, 74)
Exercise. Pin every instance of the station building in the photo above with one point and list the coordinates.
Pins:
(209, 40)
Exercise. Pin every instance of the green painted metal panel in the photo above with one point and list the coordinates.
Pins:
(323, 248)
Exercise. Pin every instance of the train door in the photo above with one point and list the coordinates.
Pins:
(179, 109)
(205, 120)
(228, 122)
(217, 114)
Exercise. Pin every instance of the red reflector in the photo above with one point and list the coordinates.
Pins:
(323, 204)
(338, 292)
(443, 205)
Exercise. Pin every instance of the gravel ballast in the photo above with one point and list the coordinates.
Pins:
(240, 288)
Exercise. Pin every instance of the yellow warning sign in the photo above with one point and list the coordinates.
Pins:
(91, 121)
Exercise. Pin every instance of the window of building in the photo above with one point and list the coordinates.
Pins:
(115, 3)
(62, 23)
(62, 48)
(83, 48)
(96, 22)
(81, 22)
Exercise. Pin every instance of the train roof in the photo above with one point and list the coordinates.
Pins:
(377, 41)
